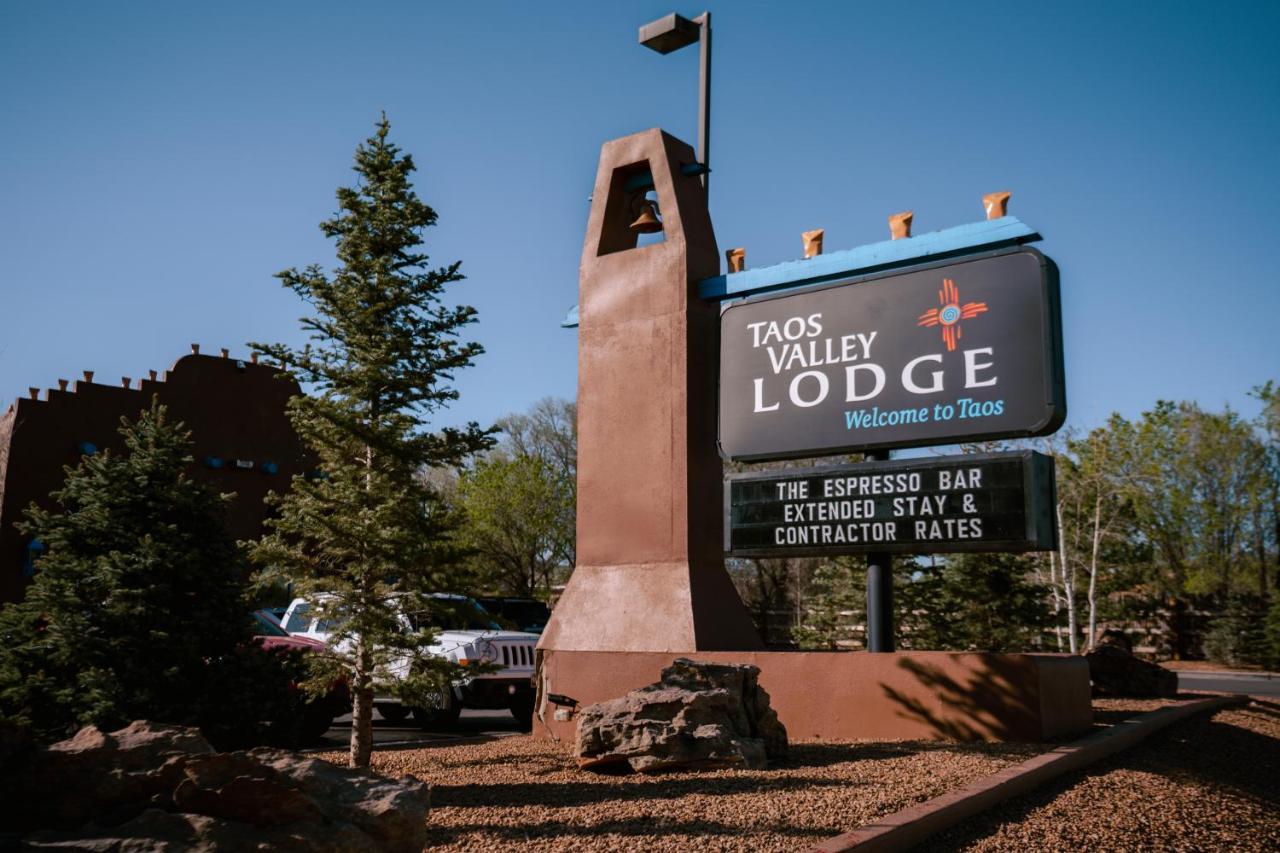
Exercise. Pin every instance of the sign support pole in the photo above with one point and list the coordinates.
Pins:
(879, 589)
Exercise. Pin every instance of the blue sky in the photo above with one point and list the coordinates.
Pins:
(160, 161)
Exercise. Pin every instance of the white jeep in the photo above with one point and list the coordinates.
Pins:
(470, 636)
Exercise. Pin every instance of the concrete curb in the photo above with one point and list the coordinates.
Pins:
(910, 826)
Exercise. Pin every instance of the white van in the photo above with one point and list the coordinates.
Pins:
(469, 635)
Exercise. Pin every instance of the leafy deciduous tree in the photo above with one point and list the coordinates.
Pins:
(517, 510)
(1191, 478)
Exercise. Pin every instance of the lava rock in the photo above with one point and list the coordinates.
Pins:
(697, 716)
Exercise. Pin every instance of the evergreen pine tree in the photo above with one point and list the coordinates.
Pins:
(979, 602)
(1238, 635)
(138, 590)
(367, 536)
(837, 602)
(922, 599)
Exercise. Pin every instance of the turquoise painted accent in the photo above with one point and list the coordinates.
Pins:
(874, 257)
(644, 180)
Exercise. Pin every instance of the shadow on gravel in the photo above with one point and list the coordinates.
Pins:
(1197, 751)
(544, 765)
(560, 794)
(825, 755)
(1105, 718)
(329, 746)
(1269, 709)
(799, 756)
(639, 827)
(1222, 755)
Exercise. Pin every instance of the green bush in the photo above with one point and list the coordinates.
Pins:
(1271, 635)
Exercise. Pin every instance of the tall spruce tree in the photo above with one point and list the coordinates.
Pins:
(973, 602)
(139, 592)
(836, 602)
(363, 537)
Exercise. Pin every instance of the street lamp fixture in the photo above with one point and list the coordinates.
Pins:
(671, 33)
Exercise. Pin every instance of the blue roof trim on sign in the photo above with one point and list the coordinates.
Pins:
(874, 257)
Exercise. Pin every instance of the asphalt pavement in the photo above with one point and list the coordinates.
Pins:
(1248, 683)
(388, 735)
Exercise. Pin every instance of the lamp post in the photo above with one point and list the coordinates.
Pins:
(671, 33)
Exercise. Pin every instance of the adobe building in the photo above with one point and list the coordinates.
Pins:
(235, 409)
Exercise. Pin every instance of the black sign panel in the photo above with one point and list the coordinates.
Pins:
(964, 350)
(975, 502)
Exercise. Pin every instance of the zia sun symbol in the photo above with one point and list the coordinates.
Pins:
(951, 313)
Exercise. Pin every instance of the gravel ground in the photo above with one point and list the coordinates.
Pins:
(1210, 783)
(1204, 784)
(518, 792)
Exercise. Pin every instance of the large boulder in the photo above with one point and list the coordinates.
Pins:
(152, 787)
(95, 775)
(1116, 671)
(158, 831)
(391, 812)
(697, 716)
(1113, 637)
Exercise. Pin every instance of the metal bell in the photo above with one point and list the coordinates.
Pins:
(647, 222)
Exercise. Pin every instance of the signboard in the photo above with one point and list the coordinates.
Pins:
(964, 350)
(975, 502)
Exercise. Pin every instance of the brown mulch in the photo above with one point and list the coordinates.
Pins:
(1203, 784)
(1208, 783)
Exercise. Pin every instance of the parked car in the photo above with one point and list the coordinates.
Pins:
(270, 634)
(269, 706)
(275, 613)
(310, 716)
(520, 614)
(468, 635)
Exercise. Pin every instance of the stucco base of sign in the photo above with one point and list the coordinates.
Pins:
(827, 696)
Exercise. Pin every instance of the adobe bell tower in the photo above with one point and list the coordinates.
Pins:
(650, 570)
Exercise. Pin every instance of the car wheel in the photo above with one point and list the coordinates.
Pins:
(317, 717)
(522, 709)
(443, 710)
(393, 713)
